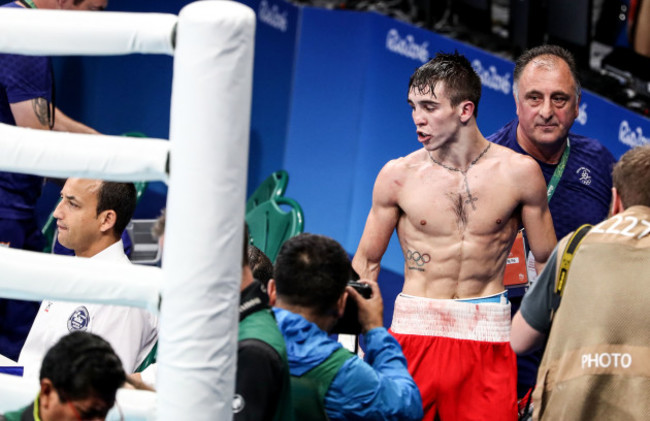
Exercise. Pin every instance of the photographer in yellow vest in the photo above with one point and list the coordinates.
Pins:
(591, 300)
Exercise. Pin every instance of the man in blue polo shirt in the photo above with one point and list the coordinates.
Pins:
(26, 86)
(577, 169)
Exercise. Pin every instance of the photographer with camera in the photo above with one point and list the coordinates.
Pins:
(309, 290)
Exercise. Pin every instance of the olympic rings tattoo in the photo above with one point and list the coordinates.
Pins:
(418, 258)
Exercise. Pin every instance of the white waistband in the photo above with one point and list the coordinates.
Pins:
(485, 322)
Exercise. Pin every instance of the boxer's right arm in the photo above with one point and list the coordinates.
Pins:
(535, 214)
(380, 224)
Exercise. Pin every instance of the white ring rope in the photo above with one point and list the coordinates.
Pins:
(62, 278)
(61, 155)
(66, 32)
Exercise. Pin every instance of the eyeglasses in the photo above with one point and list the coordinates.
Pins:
(92, 413)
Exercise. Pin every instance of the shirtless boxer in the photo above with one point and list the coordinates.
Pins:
(456, 204)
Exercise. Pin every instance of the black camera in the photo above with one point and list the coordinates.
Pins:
(349, 323)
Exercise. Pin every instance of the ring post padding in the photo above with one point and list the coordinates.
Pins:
(62, 278)
(61, 155)
(133, 405)
(209, 133)
(68, 32)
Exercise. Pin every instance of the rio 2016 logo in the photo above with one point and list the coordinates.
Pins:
(407, 46)
(582, 114)
(491, 79)
(631, 137)
(272, 16)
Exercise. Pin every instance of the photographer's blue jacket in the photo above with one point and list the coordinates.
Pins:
(379, 388)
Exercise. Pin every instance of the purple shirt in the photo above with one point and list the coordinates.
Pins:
(584, 193)
(21, 78)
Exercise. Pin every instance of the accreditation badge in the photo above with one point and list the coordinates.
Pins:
(516, 274)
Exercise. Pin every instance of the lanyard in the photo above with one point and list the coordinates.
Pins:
(558, 172)
(36, 413)
(29, 3)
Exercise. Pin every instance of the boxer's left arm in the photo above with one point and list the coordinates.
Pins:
(535, 214)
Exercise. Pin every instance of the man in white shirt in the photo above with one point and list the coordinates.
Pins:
(91, 217)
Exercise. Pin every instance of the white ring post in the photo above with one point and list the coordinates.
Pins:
(210, 117)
